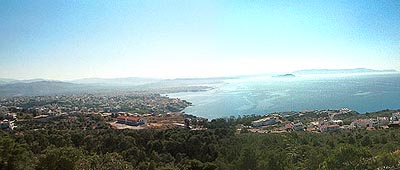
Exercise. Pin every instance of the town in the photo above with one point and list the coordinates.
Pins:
(128, 111)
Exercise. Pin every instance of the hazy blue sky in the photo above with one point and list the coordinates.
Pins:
(75, 39)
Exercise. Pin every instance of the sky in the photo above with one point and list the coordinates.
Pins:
(71, 39)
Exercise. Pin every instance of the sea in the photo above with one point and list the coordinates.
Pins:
(265, 94)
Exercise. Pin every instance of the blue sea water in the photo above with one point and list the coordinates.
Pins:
(261, 95)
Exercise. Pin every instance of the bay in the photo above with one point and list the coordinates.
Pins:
(261, 95)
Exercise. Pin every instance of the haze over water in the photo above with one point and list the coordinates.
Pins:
(363, 93)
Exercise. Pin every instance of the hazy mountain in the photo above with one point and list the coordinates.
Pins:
(129, 81)
(6, 81)
(39, 88)
(340, 71)
(32, 80)
(179, 83)
(147, 83)
(11, 81)
(43, 88)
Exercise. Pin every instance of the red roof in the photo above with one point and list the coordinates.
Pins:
(126, 118)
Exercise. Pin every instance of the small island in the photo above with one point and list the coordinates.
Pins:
(284, 76)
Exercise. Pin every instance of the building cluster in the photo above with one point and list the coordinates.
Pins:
(322, 121)
(7, 118)
(294, 126)
(369, 123)
(53, 105)
(156, 121)
(134, 108)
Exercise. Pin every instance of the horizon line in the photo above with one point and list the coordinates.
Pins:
(200, 77)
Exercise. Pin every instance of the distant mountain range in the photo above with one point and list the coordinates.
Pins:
(10, 81)
(341, 71)
(23, 88)
(35, 87)
(13, 88)
(129, 81)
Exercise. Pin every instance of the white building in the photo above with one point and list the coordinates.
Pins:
(329, 128)
(265, 121)
(395, 117)
(364, 123)
(344, 110)
(382, 121)
(339, 122)
(6, 124)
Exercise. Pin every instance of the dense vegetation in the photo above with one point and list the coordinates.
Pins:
(219, 147)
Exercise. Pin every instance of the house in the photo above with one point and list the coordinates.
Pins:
(312, 129)
(315, 123)
(129, 120)
(329, 128)
(361, 123)
(6, 124)
(106, 114)
(382, 121)
(394, 124)
(265, 121)
(339, 122)
(365, 123)
(344, 110)
(345, 127)
(395, 117)
(298, 126)
(294, 126)
(289, 127)
(395, 120)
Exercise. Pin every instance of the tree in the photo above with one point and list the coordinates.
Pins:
(247, 159)
(388, 161)
(63, 158)
(366, 141)
(14, 156)
(348, 157)
(276, 161)
(109, 161)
